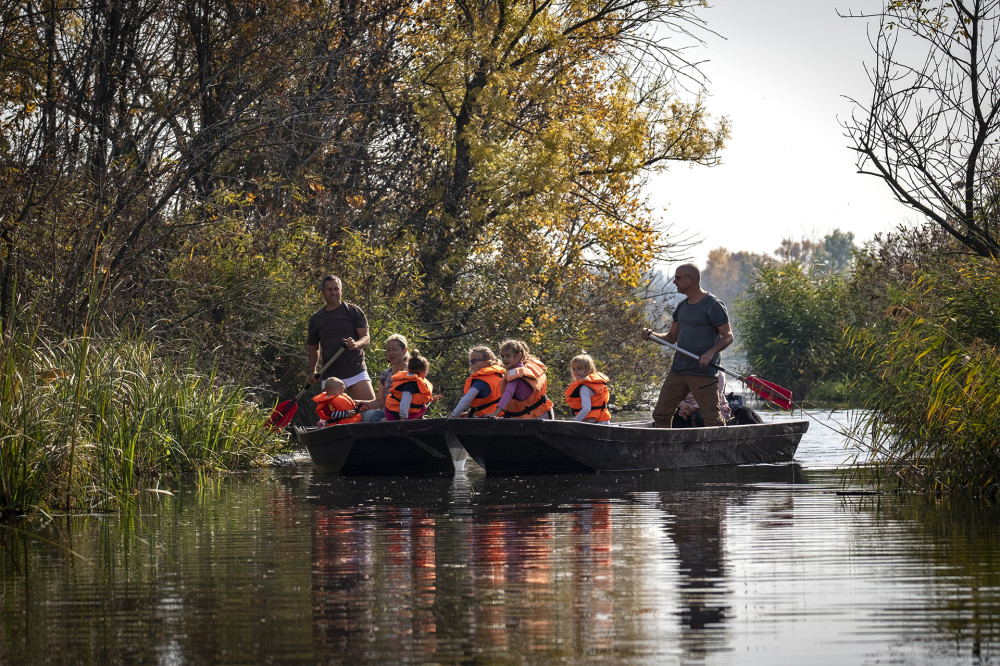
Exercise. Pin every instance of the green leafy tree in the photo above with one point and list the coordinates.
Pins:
(839, 249)
(793, 327)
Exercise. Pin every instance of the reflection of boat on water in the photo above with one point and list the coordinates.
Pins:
(475, 493)
(529, 446)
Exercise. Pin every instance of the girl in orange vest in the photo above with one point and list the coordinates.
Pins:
(334, 406)
(482, 388)
(523, 386)
(588, 394)
(410, 394)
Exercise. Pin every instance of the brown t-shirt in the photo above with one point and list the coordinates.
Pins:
(328, 328)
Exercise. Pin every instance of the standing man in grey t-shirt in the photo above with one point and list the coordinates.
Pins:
(335, 324)
(701, 326)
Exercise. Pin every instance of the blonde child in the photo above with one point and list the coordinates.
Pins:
(410, 393)
(587, 395)
(335, 407)
(482, 387)
(524, 384)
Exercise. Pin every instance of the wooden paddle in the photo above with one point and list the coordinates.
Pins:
(283, 413)
(768, 391)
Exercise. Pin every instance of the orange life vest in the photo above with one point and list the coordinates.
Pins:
(533, 372)
(328, 404)
(415, 384)
(598, 383)
(493, 376)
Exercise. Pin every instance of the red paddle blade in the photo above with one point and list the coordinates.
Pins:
(769, 391)
(282, 415)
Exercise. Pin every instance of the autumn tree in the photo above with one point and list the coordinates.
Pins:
(548, 116)
(122, 111)
(931, 129)
(475, 170)
(179, 161)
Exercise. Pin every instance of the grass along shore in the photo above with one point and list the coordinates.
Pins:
(87, 423)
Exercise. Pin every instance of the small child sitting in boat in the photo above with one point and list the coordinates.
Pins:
(482, 387)
(409, 391)
(524, 384)
(334, 406)
(587, 395)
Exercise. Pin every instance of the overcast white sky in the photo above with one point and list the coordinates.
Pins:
(780, 71)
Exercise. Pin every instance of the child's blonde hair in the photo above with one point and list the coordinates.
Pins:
(584, 361)
(485, 352)
(516, 347)
(417, 363)
(333, 383)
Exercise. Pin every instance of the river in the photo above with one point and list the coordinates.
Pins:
(749, 565)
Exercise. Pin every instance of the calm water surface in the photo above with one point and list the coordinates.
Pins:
(751, 565)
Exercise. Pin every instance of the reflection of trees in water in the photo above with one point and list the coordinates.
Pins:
(525, 569)
(954, 543)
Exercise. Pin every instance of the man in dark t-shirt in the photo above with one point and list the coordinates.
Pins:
(336, 324)
(701, 326)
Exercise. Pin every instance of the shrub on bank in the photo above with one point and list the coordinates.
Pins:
(931, 385)
(86, 422)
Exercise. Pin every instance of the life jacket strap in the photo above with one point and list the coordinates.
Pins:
(510, 415)
(483, 407)
(593, 408)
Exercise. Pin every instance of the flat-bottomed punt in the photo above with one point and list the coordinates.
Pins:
(421, 446)
(529, 446)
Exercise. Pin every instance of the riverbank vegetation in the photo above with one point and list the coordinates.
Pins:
(931, 367)
(922, 304)
(87, 422)
(910, 334)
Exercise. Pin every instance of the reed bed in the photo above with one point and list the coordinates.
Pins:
(932, 384)
(87, 423)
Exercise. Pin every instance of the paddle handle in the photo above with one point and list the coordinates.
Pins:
(321, 371)
(692, 355)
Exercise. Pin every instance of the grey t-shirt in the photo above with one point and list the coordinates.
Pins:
(699, 324)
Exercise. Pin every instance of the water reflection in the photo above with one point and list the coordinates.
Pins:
(550, 566)
(764, 565)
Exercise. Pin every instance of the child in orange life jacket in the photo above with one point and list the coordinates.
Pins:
(587, 395)
(523, 386)
(334, 406)
(482, 387)
(410, 394)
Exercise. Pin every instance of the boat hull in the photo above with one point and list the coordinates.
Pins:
(422, 446)
(529, 446)
(546, 447)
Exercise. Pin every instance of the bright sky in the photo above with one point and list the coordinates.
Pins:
(781, 75)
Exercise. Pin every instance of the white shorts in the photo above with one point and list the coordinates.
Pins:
(356, 379)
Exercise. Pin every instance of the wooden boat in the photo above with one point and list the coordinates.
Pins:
(423, 446)
(529, 446)
(522, 446)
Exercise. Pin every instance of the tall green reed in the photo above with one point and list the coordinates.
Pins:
(87, 421)
(932, 379)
